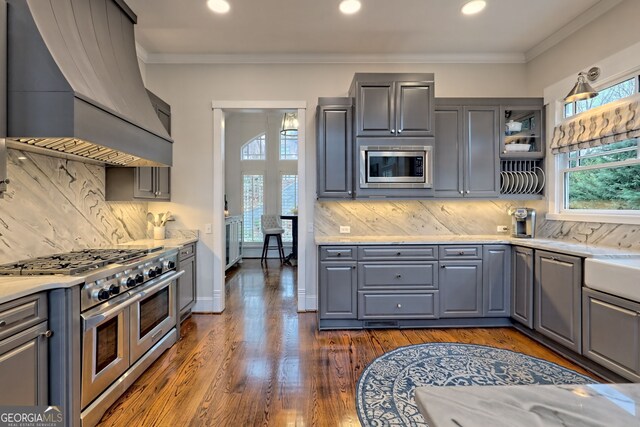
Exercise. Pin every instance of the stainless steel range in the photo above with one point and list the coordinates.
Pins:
(128, 309)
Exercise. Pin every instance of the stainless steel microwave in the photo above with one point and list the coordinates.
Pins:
(405, 166)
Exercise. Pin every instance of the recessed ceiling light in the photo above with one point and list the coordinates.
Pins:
(349, 7)
(219, 6)
(473, 7)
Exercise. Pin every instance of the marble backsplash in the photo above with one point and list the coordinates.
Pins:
(57, 205)
(459, 217)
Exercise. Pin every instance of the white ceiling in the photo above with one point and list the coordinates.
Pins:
(383, 27)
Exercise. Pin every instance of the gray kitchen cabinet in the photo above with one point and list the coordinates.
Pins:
(162, 109)
(496, 280)
(233, 234)
(466, 150)
(334, 144)
(557, 298)
(398, 304)
(187, 283)
(522, 285)
(337, 287)
(141, 183)
(611, 332)
(23, 351)
(530, 118)
(460, 284)
(393, 104)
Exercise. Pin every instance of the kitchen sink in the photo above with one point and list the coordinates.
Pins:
(616, 276)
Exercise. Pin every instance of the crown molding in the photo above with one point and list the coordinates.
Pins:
(574, 25)
(339, 58)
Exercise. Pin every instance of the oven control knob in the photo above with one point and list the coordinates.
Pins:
(103, 294)
(114, 289)
(158, 271)
(169, 265)
(130, 282)
(139, 278)
(152, 273)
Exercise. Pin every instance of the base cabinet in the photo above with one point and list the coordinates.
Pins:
(611, 333)
(496, 280)
(187, 282)
(24, 351)
(522, 285)
(558, 305)
(234, 241)
(337, 285)
(460, 288)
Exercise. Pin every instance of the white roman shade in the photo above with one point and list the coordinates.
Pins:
(613, 122)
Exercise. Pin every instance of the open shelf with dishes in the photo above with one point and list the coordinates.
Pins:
(522, 135)
(522, 179)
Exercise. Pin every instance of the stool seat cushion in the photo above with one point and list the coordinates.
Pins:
(273, 231)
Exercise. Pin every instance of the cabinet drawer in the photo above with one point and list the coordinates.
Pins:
(371, 253)
(187, 251)
(396, 275)
(461, 252)
(338, 253)
(22, 313)
(397, 305)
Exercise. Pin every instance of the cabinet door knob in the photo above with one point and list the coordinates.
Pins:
(349, 192)
(47, 334)
(339, 254)
(393, 131)
(399, 130)
(399, 305)
(461, 192)
(399, 253)
(159, 193)
(3, 323)
(461, 253)
(443, 266)
(398, 276)
(467, 191)
(353, 267)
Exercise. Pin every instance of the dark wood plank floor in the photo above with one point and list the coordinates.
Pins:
(262, 363)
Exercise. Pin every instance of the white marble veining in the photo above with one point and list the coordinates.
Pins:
(592, 405)
(175, 242)
(57, 205)
(624, 236)
(183, 234)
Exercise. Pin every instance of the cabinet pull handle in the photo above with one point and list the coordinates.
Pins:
(3, 323)
(47, 334)
(399, 305)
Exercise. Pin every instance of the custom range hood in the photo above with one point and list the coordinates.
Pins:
(74, 85)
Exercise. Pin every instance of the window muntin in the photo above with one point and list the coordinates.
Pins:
(603, 179)
(289, 145)
(289, 205)
(606, 95)
(256, 149)
(252, 206)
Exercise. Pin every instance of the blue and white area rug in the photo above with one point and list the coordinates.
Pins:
(384, 395)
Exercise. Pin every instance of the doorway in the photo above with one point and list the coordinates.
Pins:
(287, 175)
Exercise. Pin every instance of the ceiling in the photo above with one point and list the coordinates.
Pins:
(382, 27)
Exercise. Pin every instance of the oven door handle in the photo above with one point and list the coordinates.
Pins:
(162, 284)
(95, 319)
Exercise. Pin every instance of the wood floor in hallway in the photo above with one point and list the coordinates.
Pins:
(262, 363)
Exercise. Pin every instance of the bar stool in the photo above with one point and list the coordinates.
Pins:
(271, 226)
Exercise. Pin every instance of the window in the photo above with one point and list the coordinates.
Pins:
(606, 95)
(255, 149)
(252, 206)
(604, 178)
(289, 205)
(289, 145)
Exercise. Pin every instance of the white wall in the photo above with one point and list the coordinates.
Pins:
(610, 33)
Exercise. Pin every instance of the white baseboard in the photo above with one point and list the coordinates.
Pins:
(311, 303)
(203, 305)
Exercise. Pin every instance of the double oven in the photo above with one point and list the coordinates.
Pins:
(123, 334)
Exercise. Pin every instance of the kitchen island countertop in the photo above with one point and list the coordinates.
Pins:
(530, 405)
(577, 249)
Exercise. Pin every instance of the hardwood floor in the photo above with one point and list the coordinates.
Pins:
(262, 363)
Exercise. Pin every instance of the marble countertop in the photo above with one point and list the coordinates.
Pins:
(14, 287)
(167, 243)
(530, 405)
(577, 249)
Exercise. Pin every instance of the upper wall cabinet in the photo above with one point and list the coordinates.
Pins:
(334, 143)
(522, 131)
(391, 105)
(142, 183)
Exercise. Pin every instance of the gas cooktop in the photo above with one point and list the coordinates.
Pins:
(71, 263)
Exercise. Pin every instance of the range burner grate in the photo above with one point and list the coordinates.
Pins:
(70, 263)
